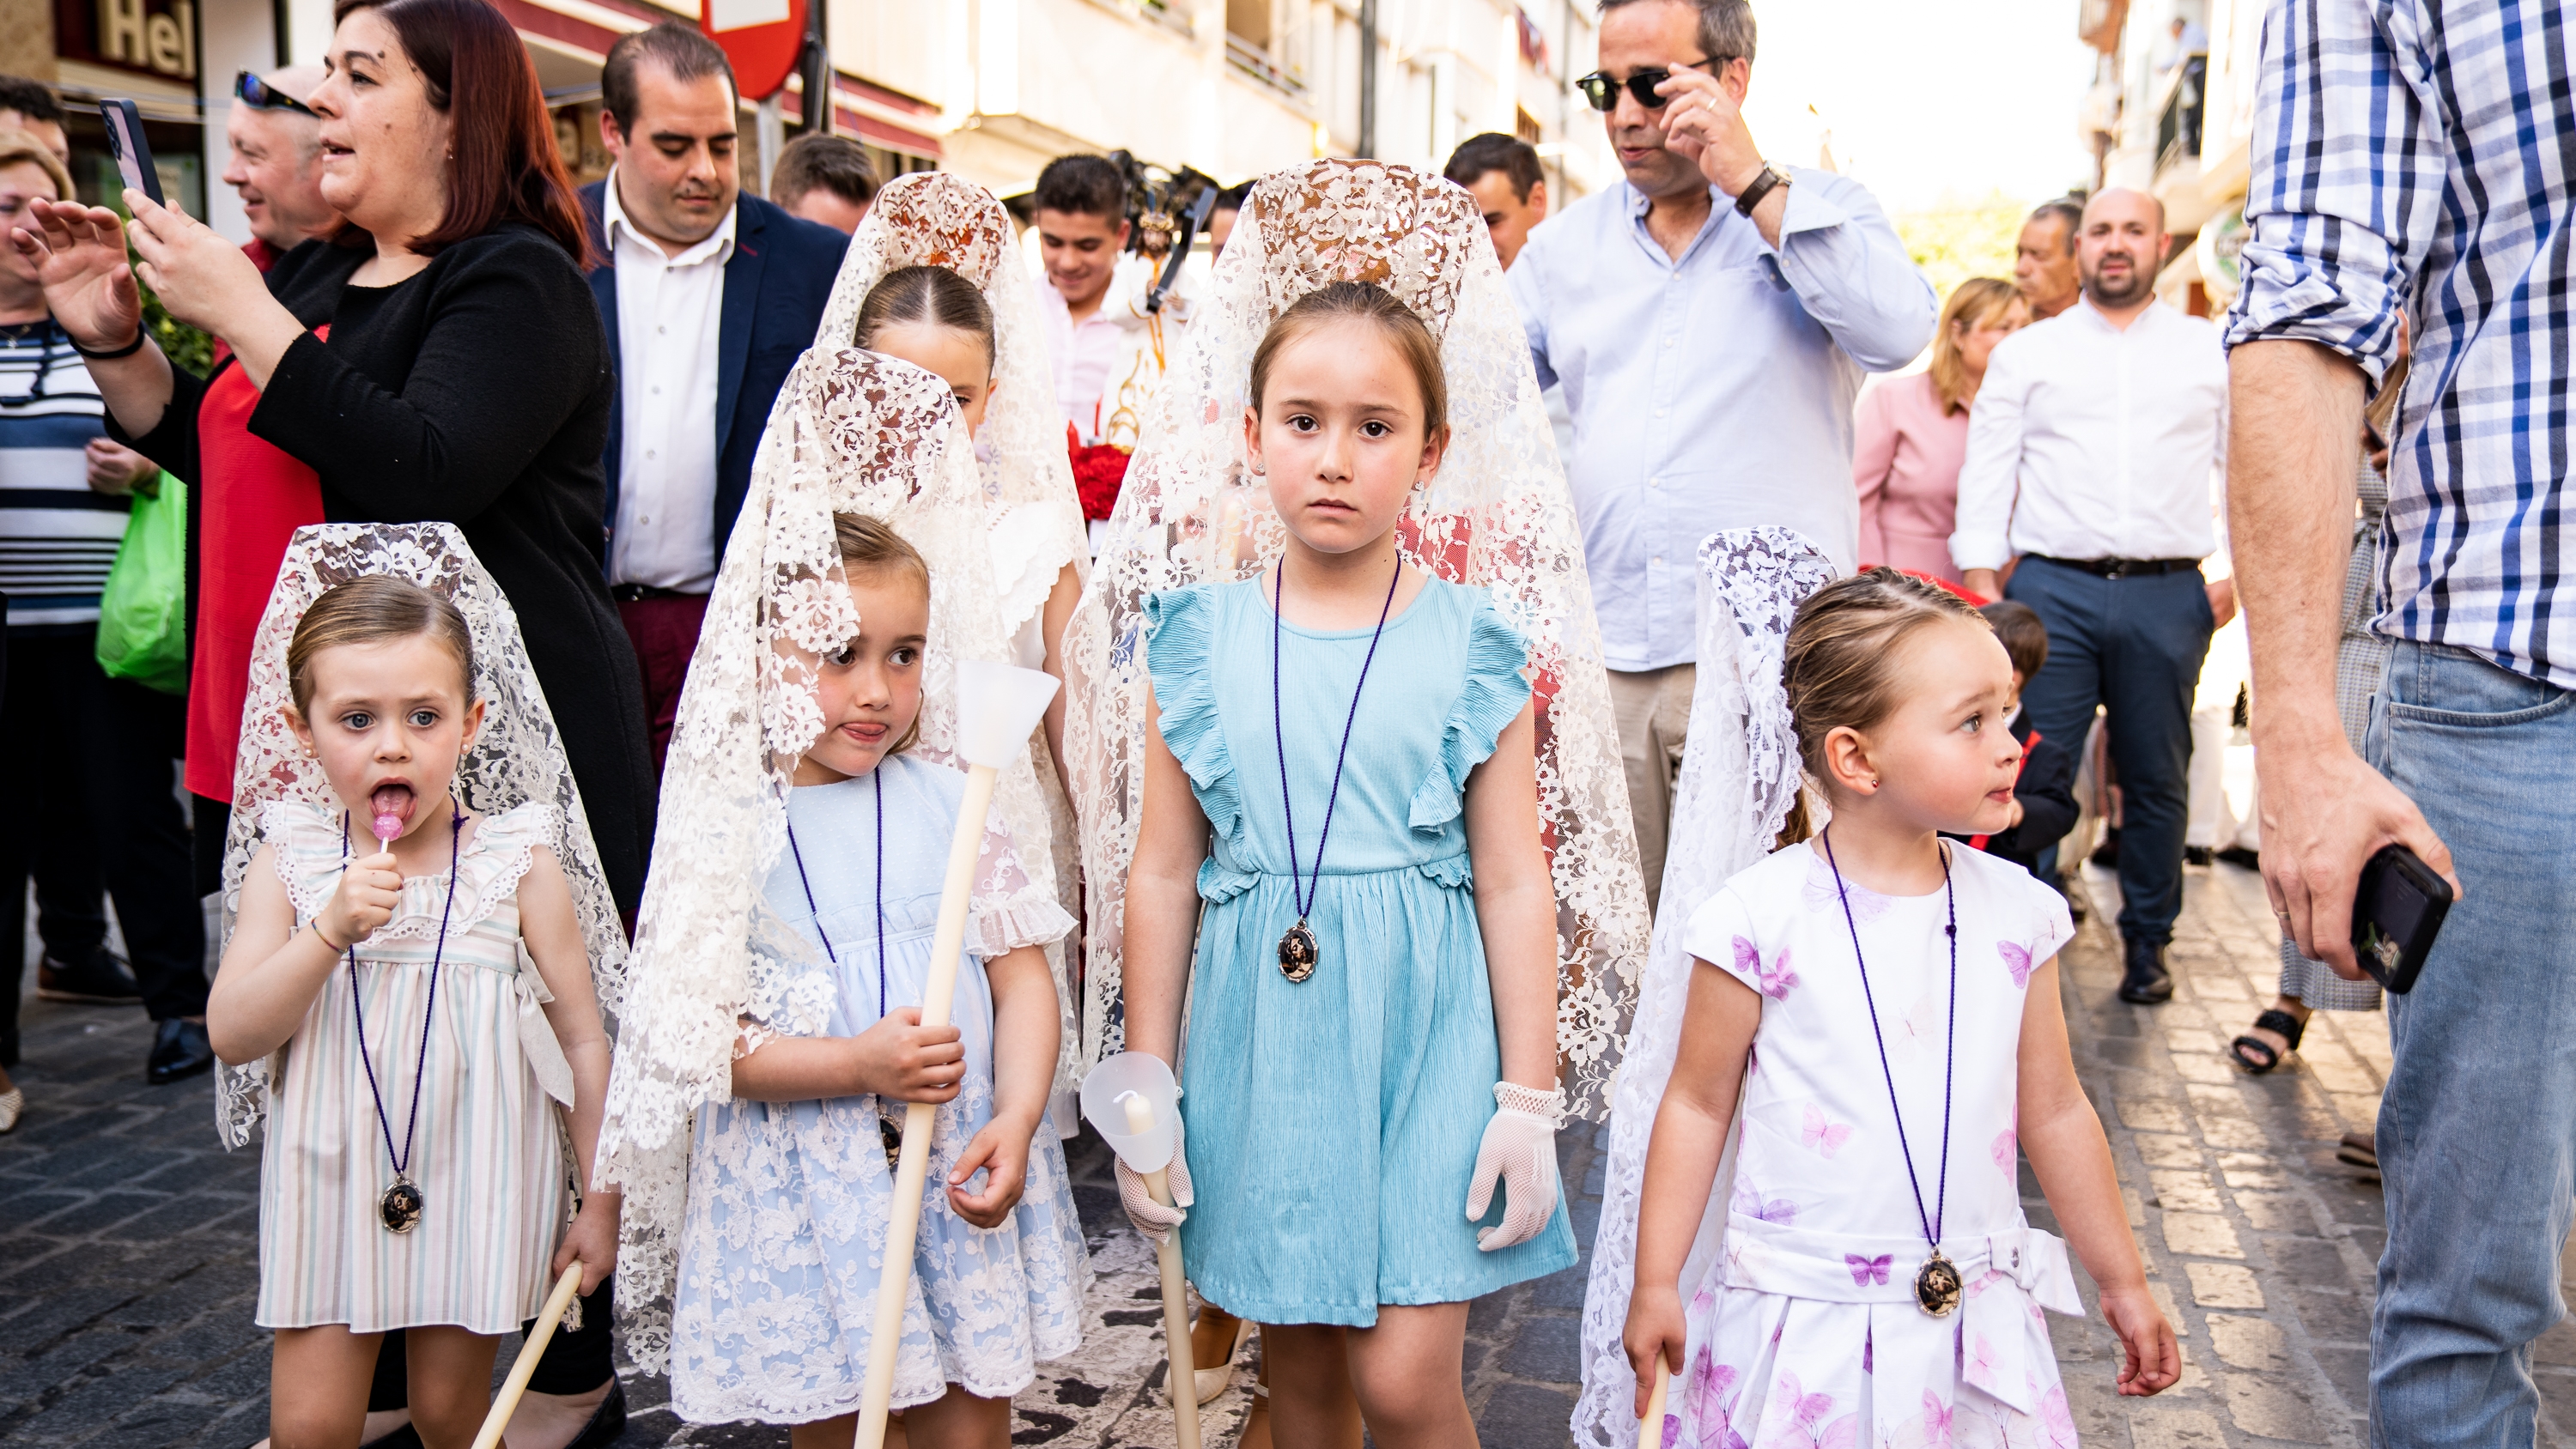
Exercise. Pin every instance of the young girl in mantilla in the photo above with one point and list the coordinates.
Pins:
(408, 992)
(1876, 1011)
(784, 947)
(1352, 469)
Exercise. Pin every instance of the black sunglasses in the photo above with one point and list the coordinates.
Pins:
(259, 94)
(1603, 92)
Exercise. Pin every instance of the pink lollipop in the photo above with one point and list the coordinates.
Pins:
(388, 825)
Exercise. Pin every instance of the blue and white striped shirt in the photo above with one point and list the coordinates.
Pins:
(2414, 156)
(57, 536)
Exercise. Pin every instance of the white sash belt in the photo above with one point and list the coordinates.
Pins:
(2008, 1277)
(537, 1035)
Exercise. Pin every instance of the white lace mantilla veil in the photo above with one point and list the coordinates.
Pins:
(852, 432)
(941, 219)
(1497, 517)
(1740, 774)
(519, 756)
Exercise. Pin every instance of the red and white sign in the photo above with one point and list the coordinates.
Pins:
(763, 39)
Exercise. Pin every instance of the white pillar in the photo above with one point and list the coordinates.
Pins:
(308, 32)
(233, 36)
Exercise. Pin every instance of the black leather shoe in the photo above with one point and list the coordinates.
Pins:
(180, 1050)
(607, 1422)
(99, 979)
(2146, 982)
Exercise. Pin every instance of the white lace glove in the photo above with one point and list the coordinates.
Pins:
(1150, 1217)
(1520, 1150)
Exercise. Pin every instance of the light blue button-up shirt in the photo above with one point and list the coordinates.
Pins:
(1715, 391)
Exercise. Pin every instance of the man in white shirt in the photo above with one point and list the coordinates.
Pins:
(709, 296)
(2092, 453)
(1109, 352)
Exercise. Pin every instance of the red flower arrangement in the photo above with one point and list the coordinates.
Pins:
(1098, 472)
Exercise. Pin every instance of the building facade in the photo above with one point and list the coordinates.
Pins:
(2179, 121)
(989, 88)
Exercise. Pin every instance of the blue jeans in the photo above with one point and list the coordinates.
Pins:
(2133, 646)
(2477, 1130)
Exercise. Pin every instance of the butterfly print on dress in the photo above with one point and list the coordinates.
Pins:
(1774, 979)
(1823, 1136)
(2016, 960)
(1868, 1271)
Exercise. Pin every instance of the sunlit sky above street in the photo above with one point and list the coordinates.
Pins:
(1930, 103)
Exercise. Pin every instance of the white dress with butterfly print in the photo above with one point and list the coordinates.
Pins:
(1805, 1332)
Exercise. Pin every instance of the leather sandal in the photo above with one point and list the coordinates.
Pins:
(2254, 1054)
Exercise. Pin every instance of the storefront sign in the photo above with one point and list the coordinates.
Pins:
(152, 37)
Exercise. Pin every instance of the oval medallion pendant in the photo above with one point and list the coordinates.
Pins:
(400, 1206)
(1937, 1286)
(1297, 952)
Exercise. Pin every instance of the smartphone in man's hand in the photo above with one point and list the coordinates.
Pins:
(2395, 915)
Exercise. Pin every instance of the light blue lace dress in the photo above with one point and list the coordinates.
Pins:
(788, 1202)
(1333, 1123)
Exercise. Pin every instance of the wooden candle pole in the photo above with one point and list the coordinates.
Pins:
(507, 1403)
(1178, 1378)
(912, 1168)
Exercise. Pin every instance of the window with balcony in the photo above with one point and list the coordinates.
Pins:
(2178, 120)
(1255, 45)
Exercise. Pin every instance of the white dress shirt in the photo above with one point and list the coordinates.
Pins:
(669, 312)
(1083, 353)
(1714, 391)
(2090, 442)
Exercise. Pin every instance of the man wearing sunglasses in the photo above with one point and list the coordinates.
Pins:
(1709, 318)
(275, 150)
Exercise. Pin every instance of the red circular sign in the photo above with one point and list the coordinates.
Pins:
(763, 39)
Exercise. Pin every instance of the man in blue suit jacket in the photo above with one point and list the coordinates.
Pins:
(709, 296)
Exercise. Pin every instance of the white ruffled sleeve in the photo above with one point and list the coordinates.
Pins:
(1010, 910)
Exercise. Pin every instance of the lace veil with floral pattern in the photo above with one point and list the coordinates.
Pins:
(852, 432)
(1498, 517)
(519, 756)
(1740, 775)
(941, 219)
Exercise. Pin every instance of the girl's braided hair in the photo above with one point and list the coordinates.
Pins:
(1840, 662)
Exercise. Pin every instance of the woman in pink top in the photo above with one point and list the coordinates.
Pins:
(1913, 433)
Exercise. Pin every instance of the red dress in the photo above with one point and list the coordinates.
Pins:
(251, 500)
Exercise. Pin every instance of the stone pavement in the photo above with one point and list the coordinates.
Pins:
(128, 1242)
(129, 1272)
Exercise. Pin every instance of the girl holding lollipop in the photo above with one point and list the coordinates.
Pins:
(408, 990)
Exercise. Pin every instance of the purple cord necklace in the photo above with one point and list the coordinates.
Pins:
(1297, 954)
(1937, 1285)
(891, 1133)
(400, 1205)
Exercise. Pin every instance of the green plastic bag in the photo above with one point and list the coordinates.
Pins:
(143, 613)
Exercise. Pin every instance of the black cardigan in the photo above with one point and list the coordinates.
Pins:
(477, 393)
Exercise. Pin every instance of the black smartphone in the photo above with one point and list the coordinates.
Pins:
(133, 154)
(2395, 915)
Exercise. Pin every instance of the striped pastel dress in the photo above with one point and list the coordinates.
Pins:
(488, 1155)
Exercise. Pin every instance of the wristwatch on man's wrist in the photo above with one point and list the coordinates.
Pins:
(1761, 186)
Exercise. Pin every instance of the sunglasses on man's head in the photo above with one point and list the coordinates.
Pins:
(1603, 92)
(260, 95)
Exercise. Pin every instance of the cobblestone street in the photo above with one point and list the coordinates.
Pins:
(128, 1242)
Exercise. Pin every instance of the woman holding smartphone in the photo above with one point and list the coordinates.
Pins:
(439, 360)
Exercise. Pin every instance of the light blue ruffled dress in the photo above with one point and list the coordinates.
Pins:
(788, 1201)
(1333, 1123)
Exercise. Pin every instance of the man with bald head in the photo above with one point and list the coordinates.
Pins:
(275, 146)
(2095, 466)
